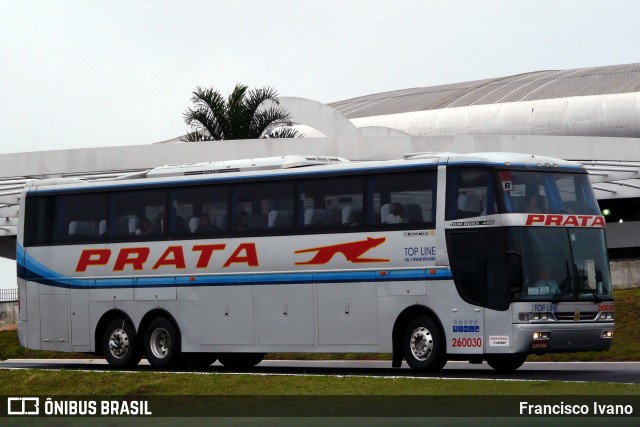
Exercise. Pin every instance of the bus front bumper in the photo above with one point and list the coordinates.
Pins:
(562, 338)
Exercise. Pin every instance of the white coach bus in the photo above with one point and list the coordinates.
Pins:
(436, 257)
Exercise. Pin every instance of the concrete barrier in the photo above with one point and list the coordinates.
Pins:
(8, 315)
(625, 274)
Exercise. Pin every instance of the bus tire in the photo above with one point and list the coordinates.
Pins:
(241, 360)
(119, 344)
(161, 343)
(506, 362)
(422, 345)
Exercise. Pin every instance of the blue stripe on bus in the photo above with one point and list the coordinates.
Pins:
(36, 272)
(233, 279)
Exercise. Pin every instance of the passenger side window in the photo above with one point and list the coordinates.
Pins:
(263, 206)
(470, 193)
(407, 198)
(333, 202)
(138, 215)
(199, 211)
(80, 218)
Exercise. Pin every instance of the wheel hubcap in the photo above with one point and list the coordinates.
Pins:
(160, 343)
(119, 343)
(421, 343)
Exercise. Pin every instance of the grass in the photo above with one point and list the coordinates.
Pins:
(36, 382)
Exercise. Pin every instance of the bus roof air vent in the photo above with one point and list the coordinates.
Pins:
(243, 165)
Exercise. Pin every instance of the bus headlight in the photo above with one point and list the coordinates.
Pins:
(606, 315)
(536, 317)
(524, 317)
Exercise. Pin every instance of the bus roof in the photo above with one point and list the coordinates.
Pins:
(302, 164)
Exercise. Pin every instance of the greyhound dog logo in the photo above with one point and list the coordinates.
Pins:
(352, 251)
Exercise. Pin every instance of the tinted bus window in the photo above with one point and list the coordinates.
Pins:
(333, 202)
(38, 220)
(80, 218)
(138, 214)
(404, 199)
(199, 211)
(263, 206)
(470, 193)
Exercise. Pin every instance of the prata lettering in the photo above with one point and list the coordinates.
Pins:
(173, 257)
(566, 220)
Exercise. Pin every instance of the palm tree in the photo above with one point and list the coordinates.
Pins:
(213, 118)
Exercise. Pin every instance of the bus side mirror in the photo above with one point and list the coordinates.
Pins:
(514, 269)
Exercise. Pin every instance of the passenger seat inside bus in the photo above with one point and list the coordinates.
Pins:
(102, 228)
(222, 221)
(133, 225)
(194, 222)
(351, 215)
(384, 213)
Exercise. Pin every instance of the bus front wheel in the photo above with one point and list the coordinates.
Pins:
(161, 342)
(422, 343)
(506, 362)
(119, 344)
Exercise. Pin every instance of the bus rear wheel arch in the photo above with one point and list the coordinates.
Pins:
(161, 342)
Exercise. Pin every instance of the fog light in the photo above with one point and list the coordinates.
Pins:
(607, 334)
(541, 335)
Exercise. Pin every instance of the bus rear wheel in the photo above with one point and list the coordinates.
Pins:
(422, 344)
(119, 344)
(506, 362)
(241, 360)
(161, 343)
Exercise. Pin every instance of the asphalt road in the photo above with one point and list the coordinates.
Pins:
(614, 372)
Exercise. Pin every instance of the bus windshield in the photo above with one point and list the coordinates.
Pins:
(542, 192)
(561, 264)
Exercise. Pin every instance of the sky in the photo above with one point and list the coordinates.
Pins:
(87, 73)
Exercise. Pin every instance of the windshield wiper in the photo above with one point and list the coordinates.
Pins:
(563, 285)
(596, 298)
(577, 281)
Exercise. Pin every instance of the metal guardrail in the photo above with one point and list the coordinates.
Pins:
(8, 295)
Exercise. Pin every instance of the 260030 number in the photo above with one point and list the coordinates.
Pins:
(467, 342)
